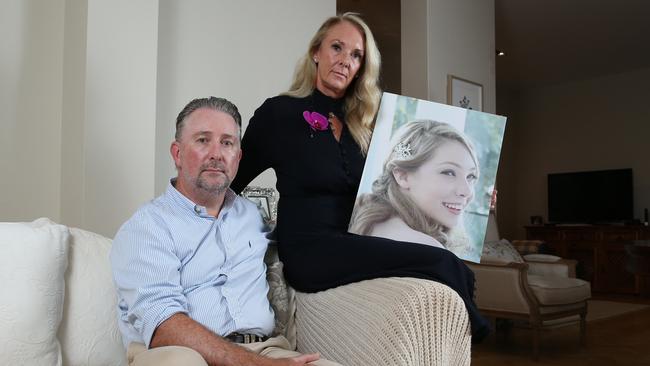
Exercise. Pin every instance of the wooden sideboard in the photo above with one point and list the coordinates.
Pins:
(599, 249)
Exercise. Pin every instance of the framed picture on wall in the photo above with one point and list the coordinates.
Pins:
(464, 93)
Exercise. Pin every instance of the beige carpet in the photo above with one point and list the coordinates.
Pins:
(601, 309)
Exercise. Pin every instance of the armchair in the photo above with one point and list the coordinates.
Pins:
(539, 290)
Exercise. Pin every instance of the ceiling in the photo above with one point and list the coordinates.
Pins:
(555, 41)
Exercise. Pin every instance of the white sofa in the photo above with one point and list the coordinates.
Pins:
(58, 307)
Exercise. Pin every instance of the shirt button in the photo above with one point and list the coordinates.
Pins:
(197, 209)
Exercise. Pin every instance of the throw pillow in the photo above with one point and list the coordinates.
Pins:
(500, 251)
(33, 262)
(89, 329)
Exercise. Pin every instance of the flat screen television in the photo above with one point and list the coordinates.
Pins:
(593, 197)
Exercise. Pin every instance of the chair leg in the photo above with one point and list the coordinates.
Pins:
(583, 329)
(503, 329)
(509, 324)
(498, 329)
(497, 324)
(536, 335)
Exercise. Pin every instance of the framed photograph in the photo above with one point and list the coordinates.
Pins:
(447, 206)
(266, 201)
(464, 93)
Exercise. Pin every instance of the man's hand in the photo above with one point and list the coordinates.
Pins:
(493, 200)
(304, 359)
(296, 361)
(181, 330)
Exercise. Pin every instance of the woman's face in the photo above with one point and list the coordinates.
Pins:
(444, 185)
(338, 59)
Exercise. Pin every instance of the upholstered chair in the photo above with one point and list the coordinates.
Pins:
(540, 289)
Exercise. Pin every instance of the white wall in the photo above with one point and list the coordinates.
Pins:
(595, 124)
(244, 53)
(31, 73)
(415, 43)
(73, 113)
(91, 90)
(119, 131)
(442, 37)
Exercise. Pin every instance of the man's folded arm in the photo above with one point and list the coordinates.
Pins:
(146, 275)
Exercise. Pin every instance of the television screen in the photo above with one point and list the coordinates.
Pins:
(591, 197)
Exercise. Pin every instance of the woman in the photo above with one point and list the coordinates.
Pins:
(315, 137)
(426, 183)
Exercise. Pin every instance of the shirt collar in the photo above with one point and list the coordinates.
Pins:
(189, 205)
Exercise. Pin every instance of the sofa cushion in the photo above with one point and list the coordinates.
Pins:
(541, 258)
(88, 332)
(32, 266)
(553, 290)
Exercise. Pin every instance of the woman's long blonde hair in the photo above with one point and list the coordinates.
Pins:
(363, 94)
(422, 138)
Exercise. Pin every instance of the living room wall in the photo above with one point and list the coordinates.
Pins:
(601, 123)
(31, 73)
(429, 53)
(91, 88)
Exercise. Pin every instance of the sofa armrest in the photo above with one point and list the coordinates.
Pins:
(501, 287)
(386, 321)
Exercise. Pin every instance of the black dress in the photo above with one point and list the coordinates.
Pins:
(318, 178)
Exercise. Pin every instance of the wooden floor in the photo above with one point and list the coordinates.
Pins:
(621, 340)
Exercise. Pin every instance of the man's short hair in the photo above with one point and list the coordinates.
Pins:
(218, 104)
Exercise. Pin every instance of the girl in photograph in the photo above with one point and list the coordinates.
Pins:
(426, 184)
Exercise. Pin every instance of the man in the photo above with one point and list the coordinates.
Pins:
(188, 266)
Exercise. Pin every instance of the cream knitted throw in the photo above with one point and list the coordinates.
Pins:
(387, 321)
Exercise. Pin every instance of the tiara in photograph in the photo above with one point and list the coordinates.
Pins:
(403, 151)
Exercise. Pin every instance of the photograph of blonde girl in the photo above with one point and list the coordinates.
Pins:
(427, 182)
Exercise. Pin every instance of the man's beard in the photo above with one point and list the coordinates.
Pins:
(213, 188)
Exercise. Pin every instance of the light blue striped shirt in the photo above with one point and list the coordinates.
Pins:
(172, 257)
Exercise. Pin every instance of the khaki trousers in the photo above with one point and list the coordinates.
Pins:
(139, 355)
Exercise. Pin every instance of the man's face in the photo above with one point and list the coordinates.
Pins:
(208, 153)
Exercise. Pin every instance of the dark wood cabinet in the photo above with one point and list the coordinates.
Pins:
(599, 250)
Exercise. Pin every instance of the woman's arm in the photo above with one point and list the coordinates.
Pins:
(257, 146)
